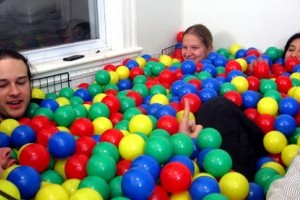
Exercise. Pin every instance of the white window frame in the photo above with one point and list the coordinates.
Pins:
(117, 39)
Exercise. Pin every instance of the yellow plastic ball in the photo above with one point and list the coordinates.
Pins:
(276, 166)
(86, 194)
(196, 167)
(101, 124)
(38, 93)
(243, 63)
(7, 126)
(267, 105)
(166, 60)
(234, 185)
(295, 75)
(179, 115)
(185, 195)
(131, 146)
(290, 92)
(175, 60)
(99, 97)
(63, 128)
(125, 132)
(62, 101)
(141, 61)
(114, 77)
(241, 83)
(140, 123)
(7, 171)
(10, 189)
(289, 153)
(123, 72)
(87, 106)
(275, 142)
(296, 94)
(71, 185)
(200, 174)
(159, 98)
(59, 167)
(52, 191)
(234, 48)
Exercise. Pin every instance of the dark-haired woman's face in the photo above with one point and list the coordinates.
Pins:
(293, 49)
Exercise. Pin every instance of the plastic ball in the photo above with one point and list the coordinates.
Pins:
(285, 124)
(52, 191)
(168, 123)
(215, 196)
(289, 153)
(240, 83)
(250, 99)
(140, 123)
(86, 194)
(209, 138)
(159, 193)
(131, 146)
(96, 183)
(61, 144)
(147, 163)
(76, 166)
(265, 122)
(267, 105)
(261, 69)
(188, 67)
(234, 185)
(175, 177)
(234, 48)
(22, 135)
(27, 180)
(71, 185)
(274, 142)
(263, 175)
(107, 148)
(101, 124)
(102, 77)
(166, 60)
(98, 109)
(115, 187)
(266, 85)
(38, 93)
(275, 165)
(50, 104)
(217, 162)
(203, 186)
(256, 192)
(51, 176)
(123, 72)
(101, 165)
(64, 116)
(182, 144)
(36, 156)
(62, 101)
(289, 105)
(8, 125)
(159, 147)
(137, 183)
(10, 189)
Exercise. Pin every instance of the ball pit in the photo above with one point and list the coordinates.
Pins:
(117, 138)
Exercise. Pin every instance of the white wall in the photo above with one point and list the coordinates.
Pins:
(255, 23)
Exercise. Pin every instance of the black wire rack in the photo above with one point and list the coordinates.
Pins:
(168, 50)
(53, 83)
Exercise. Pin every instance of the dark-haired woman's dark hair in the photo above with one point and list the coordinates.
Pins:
(9, 53)
(290, 40)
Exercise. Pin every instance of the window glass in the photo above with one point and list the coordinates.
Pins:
(39, 24)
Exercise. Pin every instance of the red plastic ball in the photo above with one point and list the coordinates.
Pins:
(82, 127)
(24, 121)
(196, 82)
(85, 145)
(112, 102)
(232, 65)
(234, 96)
(115, 117)
(297, 118)
(39, 122)
(76, 166)
(136, 96)
(44, 134)
(253, 52)
(251, 113)
(83, 85)
(113, 136)
(277, 69)
(178, 74)
(135, 71)
(179, 36)
(284, 83)
(168, 123)
(254, 83)
(175, 177)
(290, 63)
(166, 76)
(176, 106)
(159, 194)
(122, 167)
(36, 156)
(110, 67)
(194, 100)
(261, 69)
(265, 122)
(112, 92)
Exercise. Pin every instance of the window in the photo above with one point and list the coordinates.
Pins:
(43, 29)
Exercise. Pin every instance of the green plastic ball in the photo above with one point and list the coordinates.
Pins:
(160, 148)
(209, 138)
(96, 183)
(64, 116)
(106, 148)
(98, 109)
(66, 92)
(182, 144)
(101, 165)
(115, 187)
(95, 89)
(52, 176)
(102, 77)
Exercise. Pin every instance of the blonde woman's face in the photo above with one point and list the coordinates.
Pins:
(193, 48)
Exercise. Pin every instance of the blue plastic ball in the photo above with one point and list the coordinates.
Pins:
(27, 180)
(131, 64)
(4, 140)
(250, 99)
(196, 149)
(84, 94)
(22, 135)
(152, 109)
(176, 86)
(206, 61)
(184, 160)
(61, 144)
(285, 124)
(212, 55)
(187, 88)
(50, 104)
(203, 186)
(211, 83)
(206, 94)
(165, 110)
(234, 73)
(256, 192)
(261, 161)
(188, 67)
(210, 68)
(146, 56)
(289, 105)
(147, 163)
(124, 84)
(241, 53)
(137, 183)
(296, 68)
(251, 58)
(220, 61)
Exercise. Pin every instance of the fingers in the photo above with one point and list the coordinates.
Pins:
(186, 113)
